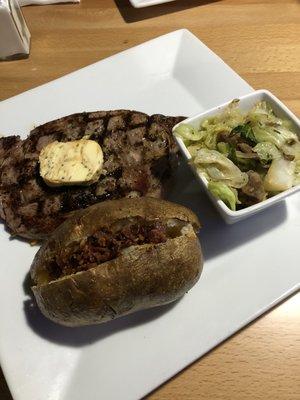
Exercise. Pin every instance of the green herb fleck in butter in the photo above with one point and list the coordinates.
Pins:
(71, 163)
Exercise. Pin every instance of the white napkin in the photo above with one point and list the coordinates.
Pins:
(41, 2)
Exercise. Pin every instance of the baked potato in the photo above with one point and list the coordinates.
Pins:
(117, 257)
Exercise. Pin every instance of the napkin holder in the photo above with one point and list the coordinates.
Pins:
(14, 34)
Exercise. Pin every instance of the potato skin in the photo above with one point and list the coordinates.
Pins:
(140, 277)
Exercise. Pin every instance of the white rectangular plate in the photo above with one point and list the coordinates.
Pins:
(249, 267)
(147, 3)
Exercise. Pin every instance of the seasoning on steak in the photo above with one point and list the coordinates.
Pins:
(105, 245)
(138, 154)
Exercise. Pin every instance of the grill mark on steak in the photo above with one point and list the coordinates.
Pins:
(138, 149)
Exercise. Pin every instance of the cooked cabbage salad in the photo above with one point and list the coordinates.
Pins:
(245, 157)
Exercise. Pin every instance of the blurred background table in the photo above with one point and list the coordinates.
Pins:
(260, 40)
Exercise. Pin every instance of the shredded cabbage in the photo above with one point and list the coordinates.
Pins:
(219, 168)
(223, 148)
(292, 150)
(277, 135)
(297, 173)
(224, 193)
(280, 175)
(188, 132)
(228, 145)
(267, 151)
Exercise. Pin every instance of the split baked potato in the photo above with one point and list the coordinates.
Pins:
(117, 257)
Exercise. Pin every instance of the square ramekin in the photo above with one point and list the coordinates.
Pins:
(245, 104)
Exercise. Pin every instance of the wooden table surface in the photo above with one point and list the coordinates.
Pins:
(260, 40)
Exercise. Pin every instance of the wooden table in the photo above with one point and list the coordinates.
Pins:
(260, 40)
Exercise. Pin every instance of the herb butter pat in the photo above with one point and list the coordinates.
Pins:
(71, 163)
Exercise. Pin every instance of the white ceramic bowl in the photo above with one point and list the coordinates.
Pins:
(245, 104)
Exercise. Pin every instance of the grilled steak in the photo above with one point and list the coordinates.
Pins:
(138, 151)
